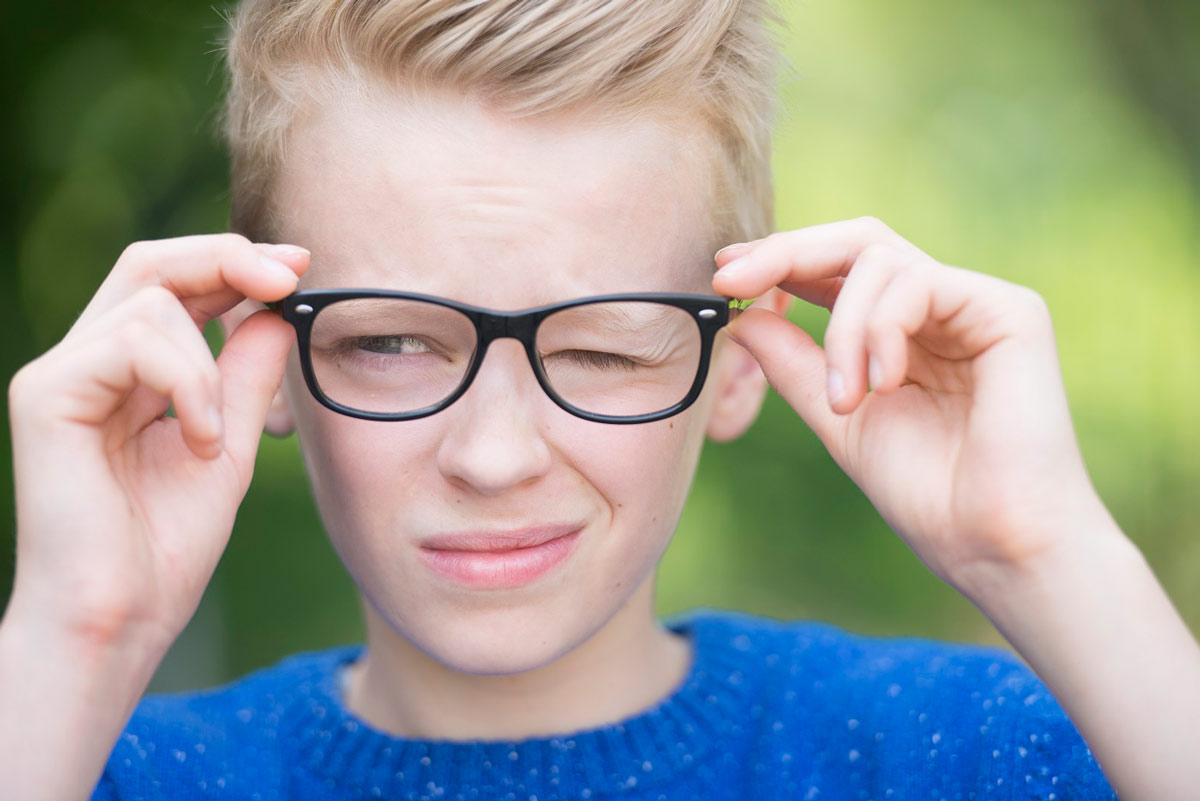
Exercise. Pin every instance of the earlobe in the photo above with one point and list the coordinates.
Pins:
(741, 384)
(741, 387)
(280, 422)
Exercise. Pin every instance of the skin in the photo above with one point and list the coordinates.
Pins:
(964, 445)
(499, 212)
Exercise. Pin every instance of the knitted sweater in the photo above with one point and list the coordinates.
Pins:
(769, 709)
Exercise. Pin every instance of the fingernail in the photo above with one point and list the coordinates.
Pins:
(837, 387)
(276, 267)
(287, 250)
(874, 372)
(717, 255)
(734, 267)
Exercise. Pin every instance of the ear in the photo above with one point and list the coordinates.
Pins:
(740, 383)
(279, 422)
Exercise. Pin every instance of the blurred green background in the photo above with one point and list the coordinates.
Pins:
(1052, 144)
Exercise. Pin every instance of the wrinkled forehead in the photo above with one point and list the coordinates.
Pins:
(440, 194)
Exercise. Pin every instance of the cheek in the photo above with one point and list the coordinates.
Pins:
(359, 470)
(639, 467)
(643, 473)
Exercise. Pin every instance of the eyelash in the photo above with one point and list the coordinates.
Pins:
(594, 358)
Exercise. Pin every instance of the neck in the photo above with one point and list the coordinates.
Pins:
(631, 663)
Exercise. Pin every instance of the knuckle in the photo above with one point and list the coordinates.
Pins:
(232, 239)
(136, 252)
(138, 258)
(1031, 303)
(231, 246)
(159, 303)
(1039, 309)
(873, 225)
(134, 333)
(774, 241)
(912, 275)
(1035, 301)
(24, 386)
(875, 255)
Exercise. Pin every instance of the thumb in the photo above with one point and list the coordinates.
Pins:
(794, 365)
(252, 364)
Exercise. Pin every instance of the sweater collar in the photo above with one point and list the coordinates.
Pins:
(650, 748)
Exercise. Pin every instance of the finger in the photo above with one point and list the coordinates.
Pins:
(794, 365)
(231, 319)
(209, 272)
(731, 252)
(821, 292)
(900, 312)
(252, 365)
(846, 333)
(958, 314)
(805, 254)
(162, 310)
(88, 382)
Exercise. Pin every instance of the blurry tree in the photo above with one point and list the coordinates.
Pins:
(1042, 142)
(1155, 47)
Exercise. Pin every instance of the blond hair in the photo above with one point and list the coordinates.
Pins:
(715, 60)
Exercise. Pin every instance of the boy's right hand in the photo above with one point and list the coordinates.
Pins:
(123, 513)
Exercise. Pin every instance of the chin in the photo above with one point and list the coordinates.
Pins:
(496, 641)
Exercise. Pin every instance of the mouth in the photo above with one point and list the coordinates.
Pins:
(500, 559)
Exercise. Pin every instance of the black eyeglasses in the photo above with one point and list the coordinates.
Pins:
(381, 354)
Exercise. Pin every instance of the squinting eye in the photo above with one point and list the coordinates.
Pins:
(398, 343)
(595, 358)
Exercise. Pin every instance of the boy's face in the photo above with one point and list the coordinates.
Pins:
(446, 198)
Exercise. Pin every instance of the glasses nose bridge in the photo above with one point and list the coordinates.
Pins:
(507, 325)
(500, 325)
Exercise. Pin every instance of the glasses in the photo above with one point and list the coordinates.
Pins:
(388, 355)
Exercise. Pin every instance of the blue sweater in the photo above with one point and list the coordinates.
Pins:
(769, 710)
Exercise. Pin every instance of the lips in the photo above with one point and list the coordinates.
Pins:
(500, 560)
(497, 541)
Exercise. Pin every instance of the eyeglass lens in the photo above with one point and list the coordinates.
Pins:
(393, 355)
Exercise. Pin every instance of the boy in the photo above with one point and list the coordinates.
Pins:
(502, 485)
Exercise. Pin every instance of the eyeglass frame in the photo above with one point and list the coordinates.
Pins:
(711, 313)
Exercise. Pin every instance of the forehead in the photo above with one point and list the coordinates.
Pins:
(438, 193)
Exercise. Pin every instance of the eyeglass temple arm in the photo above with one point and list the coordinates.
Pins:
(737, 306)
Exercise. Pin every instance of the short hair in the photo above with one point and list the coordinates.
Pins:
(713, 62)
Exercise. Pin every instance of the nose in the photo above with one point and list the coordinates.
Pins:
(492, 441)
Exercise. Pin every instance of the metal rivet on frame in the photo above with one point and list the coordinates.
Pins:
(304, 308)
(707, 314)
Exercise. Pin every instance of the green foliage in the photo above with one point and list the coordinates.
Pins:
(1002, 138)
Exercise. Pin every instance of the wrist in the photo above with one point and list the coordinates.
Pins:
(1092, 621)
(65, 702)
(95, 646)
(1084, 545)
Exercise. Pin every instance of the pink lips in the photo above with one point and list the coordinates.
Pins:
(502, 559)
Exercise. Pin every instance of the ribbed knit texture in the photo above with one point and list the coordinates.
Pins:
(768, 710)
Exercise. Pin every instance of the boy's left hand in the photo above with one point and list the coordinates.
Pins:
(964, 443)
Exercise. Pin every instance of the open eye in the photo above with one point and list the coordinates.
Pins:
(390, 343)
